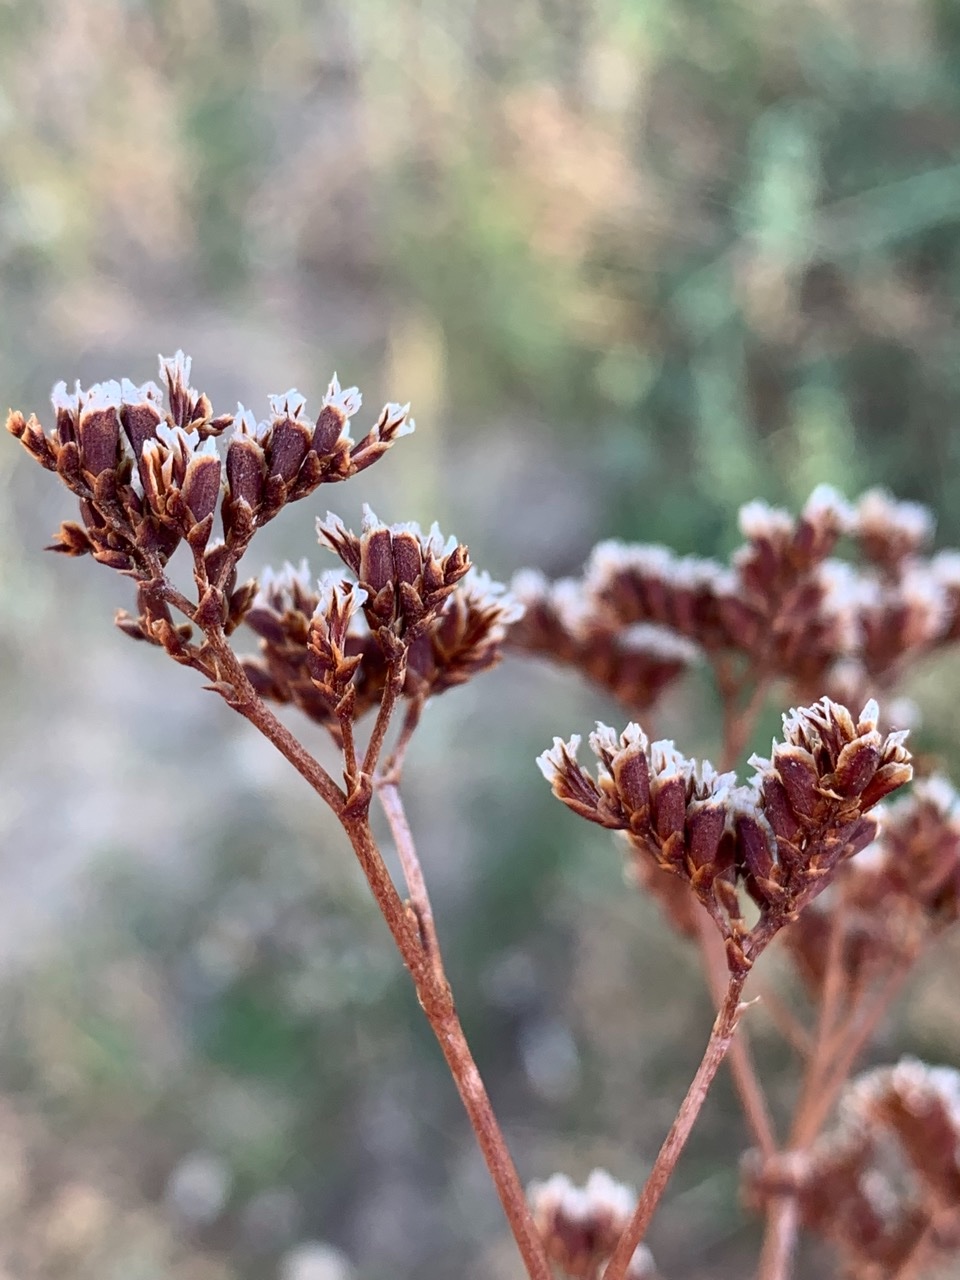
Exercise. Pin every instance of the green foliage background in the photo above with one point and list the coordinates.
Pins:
(635, 263)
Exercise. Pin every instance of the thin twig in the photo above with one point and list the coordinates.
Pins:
(783, 1219)
(721, 1037)
(393, 766)
(392, 805)
(854, 1037)
(388, 701)
(779, 1240)
(750, 1091)
(349, 749)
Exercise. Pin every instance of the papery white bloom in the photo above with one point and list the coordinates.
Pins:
(62, 399)
(614, 556)
(432, 542)
(102, 395)
(246, 424)
(147, 392)
(394, 422)
(878, 510)
(945, 566)
(553, 761)
(929, 604)
(606, 741)
(693, 572)
(177, 438)
(848, 595)
(288, 405)
(604, 1192)
(331, 587)
(284, 586)
(937, 791)
(346, 400)
(826, 500)
(484, 594)
(315, 1260)
(659, 642)
(869, 716)
(176, 367)
(529, 585)
(757, 519)
(572, 605)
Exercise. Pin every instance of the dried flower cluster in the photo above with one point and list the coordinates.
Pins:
(416, 601)
(884, 1185)
(580, 1226)
(785, 607)
(780, 838)
(150, 477)
(634, 662)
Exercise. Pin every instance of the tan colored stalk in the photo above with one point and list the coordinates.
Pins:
(750, 1091)
(721, 1038)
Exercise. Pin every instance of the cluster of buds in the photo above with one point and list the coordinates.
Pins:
(894, 898)
(287, 457)
(580, 1226)
(418, 607)
(406, 575)
(312, 652)
(884, 1186)
(634, 662)
(781, 838)
(785, 607)
(148, 477)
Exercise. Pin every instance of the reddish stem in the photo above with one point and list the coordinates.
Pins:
(721, 1037)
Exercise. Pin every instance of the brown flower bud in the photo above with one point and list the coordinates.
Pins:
(98, 428)
(290, 436)
(885, 1182)
(33, 438)
(246, 461)
(71, 539)
(188, 409)
(333, 422)
(674, 811)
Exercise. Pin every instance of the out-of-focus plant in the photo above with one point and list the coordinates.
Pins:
(799, 850)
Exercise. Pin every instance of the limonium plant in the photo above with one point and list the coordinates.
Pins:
(804, 849)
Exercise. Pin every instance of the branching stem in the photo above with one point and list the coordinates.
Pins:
(412, 929)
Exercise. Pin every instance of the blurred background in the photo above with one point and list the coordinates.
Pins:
(634, 263)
